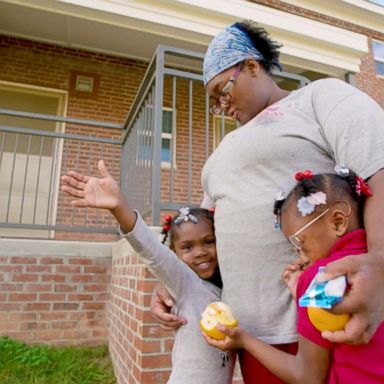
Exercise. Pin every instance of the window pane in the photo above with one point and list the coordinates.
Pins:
(166, 150)
(378, 50)
(378, 2)
(167, 121)
(229, 125)
(379, 68)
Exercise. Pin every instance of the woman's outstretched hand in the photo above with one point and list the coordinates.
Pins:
(93, 192)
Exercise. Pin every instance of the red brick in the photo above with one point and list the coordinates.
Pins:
(22, 316)
(63, 324)
(96, 287)
(51, 260)
(67, 269)
(79, 297)
(65, 287)
(53, 315)
(11, 287)
(37, 307)
(65, 306)
(95, 306)
(23, 260)
(82, 278)
(38, 287)
(22, 297)
(80, 261)
(51, 296)
(52, 278)
(95, 269)
(25, 277)
(156, 361)
(38, 268)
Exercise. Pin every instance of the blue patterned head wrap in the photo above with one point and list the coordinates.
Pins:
(229, 47)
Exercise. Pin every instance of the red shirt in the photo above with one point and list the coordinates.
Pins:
(352, 364)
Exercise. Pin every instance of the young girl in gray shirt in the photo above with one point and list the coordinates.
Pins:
(189, 269)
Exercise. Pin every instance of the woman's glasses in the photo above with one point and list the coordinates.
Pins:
(224, 98)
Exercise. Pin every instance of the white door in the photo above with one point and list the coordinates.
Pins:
(29, 164)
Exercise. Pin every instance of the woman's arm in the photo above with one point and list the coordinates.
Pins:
(365, 301)
(309, 366)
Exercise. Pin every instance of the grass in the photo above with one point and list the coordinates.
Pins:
(23, 364)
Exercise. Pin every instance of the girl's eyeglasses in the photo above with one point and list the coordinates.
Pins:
(224, 98)
(294, 239)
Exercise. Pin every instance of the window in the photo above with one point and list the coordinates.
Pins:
(377, 2)
(378, 54)
(166, 137)
(144, 151)
(221, 126)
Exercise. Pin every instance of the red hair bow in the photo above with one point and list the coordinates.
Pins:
(362, 187)
(167, 223)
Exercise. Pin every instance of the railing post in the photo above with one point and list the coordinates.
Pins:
(157, 131)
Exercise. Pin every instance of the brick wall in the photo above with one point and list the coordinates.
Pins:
(139, 349)
(54, 292)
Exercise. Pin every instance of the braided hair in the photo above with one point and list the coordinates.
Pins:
(263, 43)
(336, 187)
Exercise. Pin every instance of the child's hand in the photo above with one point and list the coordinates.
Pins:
(93, 192)
(233, 338)
(292, 273)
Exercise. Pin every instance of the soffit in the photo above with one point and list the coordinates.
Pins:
(359, 12)
(133, 28)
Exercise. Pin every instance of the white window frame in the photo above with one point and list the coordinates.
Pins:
(164, 135)
(217, 137)
(378, 59)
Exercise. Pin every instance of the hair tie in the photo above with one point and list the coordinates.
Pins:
(362, 187)
(307, 174)
(279, 199)
(342, 170)
(166, 224)
(185, 215)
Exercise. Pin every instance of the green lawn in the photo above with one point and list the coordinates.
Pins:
(23, 364)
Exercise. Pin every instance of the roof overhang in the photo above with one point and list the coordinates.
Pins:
(133, 28)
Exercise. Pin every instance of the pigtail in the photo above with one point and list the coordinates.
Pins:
(360, 188)
(351, 180)
(279, 201)
(305, 183)
(277, 207)
(166, 228)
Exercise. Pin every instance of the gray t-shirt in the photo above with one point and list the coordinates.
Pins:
(323, 123)
(193, 360)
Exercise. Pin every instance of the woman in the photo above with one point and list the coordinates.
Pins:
(324, 123)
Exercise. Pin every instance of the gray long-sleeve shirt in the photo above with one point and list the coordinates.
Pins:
(193, 360)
